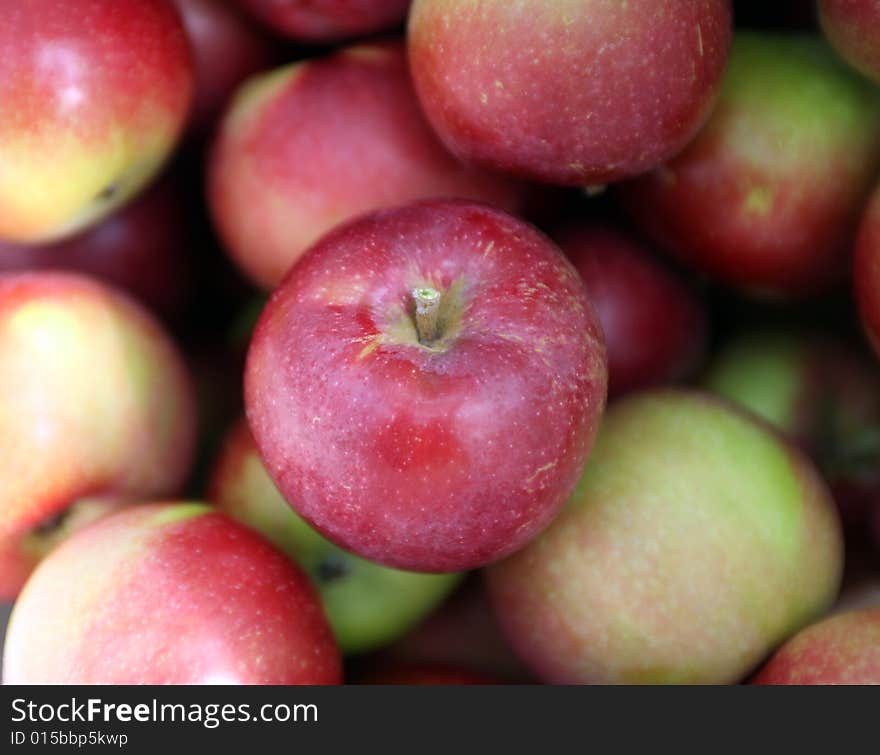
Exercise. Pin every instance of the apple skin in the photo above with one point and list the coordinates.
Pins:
(98, 400)
(853, 28)
(768, 195)
(328, 20)
(98, 92)
(656, 328)
(367, 605)
(825, 396)
(842, 649)
(866, 270)
(433, 458)
(307, 146)
(695, 543)
(144, 249)
(549, 90)
(168, 593)
(227, 49)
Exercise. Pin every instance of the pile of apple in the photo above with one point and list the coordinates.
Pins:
(440, 342)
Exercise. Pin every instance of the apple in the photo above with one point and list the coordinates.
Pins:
(310, 145)
(655, 326)
(227, 49)
(853, 28)
(327, 20)
(425, 385)
(168, 593)
(429, 676)
(866, 270)
(767, 197)
(95, 96)
(696, 542)
(98, 403)
(142, 249)
(574, 92)
(842, 649)
(367, 605)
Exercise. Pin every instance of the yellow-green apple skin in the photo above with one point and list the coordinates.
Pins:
(93, 97)
(696, 542)
(97, 402)
(168, 593)
(368, 605)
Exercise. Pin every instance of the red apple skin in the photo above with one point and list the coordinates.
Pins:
(767, 197)
(428, 458)
(168, 594)
(328, 20)
(308, 146)
(98, 401)
(843, 649)
(574, 92)
(430, 676)
(853, 28)
(227, 49)
(655, 327)
(142, 249)
(866, 271)
(95, 94)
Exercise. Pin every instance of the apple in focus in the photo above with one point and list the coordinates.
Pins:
(425, 385)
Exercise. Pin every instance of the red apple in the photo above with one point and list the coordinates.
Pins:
(168, 594)
(95, 94)
(97, 403)
(227, 49)
(425, 385)
(328, 20)
(853, 28)
(568, 92)
(144, 249)
(866, 274)
(308, 146)
(842, 649)
(655, 326)
(767, 197)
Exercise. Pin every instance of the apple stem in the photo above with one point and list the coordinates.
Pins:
(427, 314)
